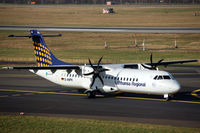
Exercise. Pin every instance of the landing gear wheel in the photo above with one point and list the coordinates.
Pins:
(91, 94)
(168, 97)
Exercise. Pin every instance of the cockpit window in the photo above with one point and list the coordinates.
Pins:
(166, 77)
(171, 77)
(155, 77)
(162, 77)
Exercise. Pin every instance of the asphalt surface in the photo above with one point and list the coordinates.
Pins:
(22, 91)
(105, 29)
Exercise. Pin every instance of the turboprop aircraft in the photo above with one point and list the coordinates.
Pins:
(107, 78)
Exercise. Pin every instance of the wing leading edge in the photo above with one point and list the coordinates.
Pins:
(164, 63)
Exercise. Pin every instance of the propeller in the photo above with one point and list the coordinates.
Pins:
(153, 66)
(96, 72)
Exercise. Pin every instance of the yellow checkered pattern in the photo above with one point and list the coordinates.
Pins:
(42, 55)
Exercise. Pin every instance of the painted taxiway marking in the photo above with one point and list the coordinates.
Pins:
(140, 98)
(28, 94)
(196, 93)
(14, 75)
(42, 92)
(16, 95)
(119, 97)
(154, 99)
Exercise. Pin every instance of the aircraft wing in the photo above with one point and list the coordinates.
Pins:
(76, 67)
(164, 63)
(46, 68)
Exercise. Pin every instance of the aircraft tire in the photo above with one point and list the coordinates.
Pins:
(169, 98)
(91, 94)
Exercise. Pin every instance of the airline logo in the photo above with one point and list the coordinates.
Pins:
(136, 84)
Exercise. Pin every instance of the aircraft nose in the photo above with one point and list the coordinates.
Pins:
(176, 86)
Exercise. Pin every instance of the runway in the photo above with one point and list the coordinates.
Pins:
(105, 29)
(22, 91)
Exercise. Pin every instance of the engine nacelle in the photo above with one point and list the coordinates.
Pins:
(142, 68)
(87, 69)
(109, 89)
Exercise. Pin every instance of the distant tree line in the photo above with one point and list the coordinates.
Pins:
(101, 1)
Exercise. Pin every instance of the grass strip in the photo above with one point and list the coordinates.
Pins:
(124, 16)
(38, 124)
(76, 47)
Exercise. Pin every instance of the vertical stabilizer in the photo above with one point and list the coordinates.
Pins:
(43, 55)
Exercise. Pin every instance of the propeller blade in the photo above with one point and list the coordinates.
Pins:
(106, 69)
(89, 73)
(93, 79)
(151, 59)
(99, 62)
(103, 70)
(153, 65)
(100, 79)
(96, 72)
(90, 62)
(160, 61)
(146, 66)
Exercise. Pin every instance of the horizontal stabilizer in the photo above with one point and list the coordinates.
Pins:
(19, 36)
(43, 55)
(52, 35)
(35, 35)
(46, 68)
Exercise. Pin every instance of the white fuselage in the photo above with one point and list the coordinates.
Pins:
(116, 79)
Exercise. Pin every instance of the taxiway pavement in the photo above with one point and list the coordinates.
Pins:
(105, 29)
(22, 91)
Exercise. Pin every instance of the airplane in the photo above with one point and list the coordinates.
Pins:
(143, 78)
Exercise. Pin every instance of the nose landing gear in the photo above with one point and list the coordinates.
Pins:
(168, 97)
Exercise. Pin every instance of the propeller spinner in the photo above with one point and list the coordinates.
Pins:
(96, 72)
(153, 66)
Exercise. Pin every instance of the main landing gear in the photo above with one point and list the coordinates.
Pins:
(91, 94)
